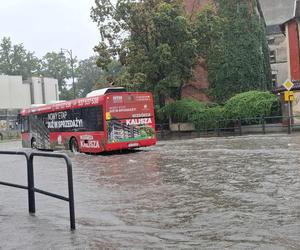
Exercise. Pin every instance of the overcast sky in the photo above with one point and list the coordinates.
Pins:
(48, 25)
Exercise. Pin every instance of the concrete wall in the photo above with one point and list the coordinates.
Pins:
(51, 90)
(17, 94)
(278, 44)
(14, 94)
(37, 90)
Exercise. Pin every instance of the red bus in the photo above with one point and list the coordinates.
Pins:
(106, 120)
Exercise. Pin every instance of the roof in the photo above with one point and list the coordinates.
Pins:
(273, 29)
(277, 11)
(296, 14)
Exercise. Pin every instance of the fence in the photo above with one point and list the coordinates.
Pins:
(29, 155)
(250, 125)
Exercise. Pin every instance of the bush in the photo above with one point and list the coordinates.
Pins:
(181, 111)
(208, 118)
(252, 104)
(190, 110)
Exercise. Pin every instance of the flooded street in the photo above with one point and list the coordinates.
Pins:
(204, 193)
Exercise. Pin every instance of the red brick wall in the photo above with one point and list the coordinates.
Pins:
(195, 5)
(197, 87)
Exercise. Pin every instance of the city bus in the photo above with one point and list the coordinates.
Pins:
(106, 120)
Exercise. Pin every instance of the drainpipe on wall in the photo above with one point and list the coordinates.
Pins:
(43, 90)
(31, 90)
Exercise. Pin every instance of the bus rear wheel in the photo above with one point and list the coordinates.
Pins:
(74, 147)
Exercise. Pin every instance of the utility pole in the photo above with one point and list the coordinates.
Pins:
(72, 68)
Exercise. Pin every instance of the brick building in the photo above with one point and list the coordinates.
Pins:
(197, 87)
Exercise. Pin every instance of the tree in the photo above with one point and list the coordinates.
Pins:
(16, 60)
(153, 41)
(238, 60)
(56, 65)
(88, 74)
(109, 76)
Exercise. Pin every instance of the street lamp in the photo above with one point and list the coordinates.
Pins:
(72, 67)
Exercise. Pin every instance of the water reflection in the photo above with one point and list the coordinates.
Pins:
(212, 193)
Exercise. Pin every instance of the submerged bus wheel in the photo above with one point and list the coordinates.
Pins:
(74, 147)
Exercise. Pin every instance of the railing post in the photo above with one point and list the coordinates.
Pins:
(240, 126)
(289, 125)
(71, 194)
(30, 179)
(263, 124)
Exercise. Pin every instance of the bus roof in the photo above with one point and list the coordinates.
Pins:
(104, 91)
(77, 103)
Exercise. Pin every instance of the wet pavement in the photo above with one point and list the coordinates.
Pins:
(205, 193)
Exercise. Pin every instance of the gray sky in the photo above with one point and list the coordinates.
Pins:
(48, 25)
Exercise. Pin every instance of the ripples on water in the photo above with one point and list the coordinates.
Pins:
(216, 193)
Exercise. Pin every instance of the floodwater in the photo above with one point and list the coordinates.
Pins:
(205, 193)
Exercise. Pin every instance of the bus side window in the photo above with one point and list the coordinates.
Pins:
(93, 118)
(77, 114)
(100, 118)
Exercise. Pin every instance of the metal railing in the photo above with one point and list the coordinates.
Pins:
(255, 125)
(29, 155)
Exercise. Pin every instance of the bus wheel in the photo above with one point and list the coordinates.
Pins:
(74, 147)
(33, 143)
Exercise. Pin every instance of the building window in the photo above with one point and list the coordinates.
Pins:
(274, 80)
(272, 56)
(271, 40)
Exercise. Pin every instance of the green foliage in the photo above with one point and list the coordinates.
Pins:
(159, 49)
(88, 74)
(208, 31)
(252, 104)
(190, 110)
(66, 94)
(182, 110)
(108, 76)
(208, 118)
(56, 65)
(16, 60)
(237, 53)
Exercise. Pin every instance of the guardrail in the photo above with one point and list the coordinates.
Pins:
(29, 155)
